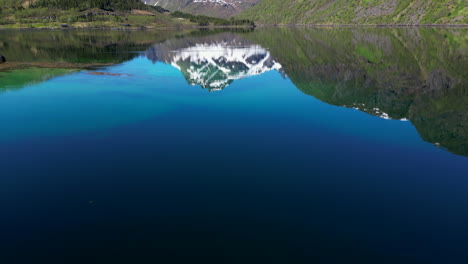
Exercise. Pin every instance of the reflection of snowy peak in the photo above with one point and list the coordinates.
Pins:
(215, 66)
(214, 61)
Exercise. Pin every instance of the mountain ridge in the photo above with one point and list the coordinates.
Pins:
(214, 8)
(414, 12)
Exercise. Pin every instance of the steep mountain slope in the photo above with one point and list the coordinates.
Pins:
(359, 12)
(214, 8)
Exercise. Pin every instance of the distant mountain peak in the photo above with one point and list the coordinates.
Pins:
(214, 8)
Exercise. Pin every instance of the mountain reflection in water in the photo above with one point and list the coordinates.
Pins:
(415, 74)
(109, 154)
(214, 62)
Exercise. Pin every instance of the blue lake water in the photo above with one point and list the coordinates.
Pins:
(217, 146)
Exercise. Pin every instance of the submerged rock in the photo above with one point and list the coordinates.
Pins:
(2, 58)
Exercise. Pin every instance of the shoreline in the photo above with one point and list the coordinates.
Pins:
(364, 25)
(129, 28)
(246, 27)
(51, 65)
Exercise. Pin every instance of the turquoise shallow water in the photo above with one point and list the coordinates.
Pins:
(85, 103)
(81, 102)
(161, 163)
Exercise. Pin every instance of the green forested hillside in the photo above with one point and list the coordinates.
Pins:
(120, 5)
(86, 13)
(206, 20)
(111, 5)
(359, 12)
(99, 13)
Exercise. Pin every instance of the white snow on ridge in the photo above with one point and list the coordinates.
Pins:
(217, 2)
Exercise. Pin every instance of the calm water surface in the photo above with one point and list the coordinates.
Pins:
(343, 145)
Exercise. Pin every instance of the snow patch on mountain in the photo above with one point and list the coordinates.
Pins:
(216, 8)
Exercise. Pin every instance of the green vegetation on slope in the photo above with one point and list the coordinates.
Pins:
(359, 12)
(87, 13)
(206, 21)
(114, 5)
(99, 13)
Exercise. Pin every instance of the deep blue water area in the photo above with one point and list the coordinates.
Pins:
(223, 147)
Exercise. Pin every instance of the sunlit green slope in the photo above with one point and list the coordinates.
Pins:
(82, 14)
(359, 12)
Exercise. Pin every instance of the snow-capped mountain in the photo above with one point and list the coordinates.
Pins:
(214, 8)
(214, 64)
